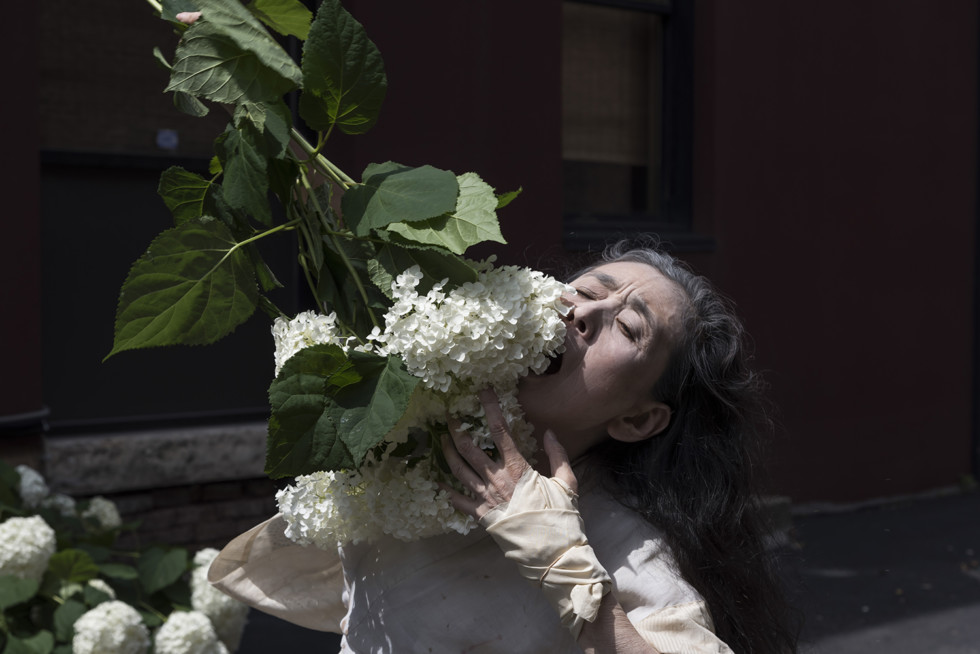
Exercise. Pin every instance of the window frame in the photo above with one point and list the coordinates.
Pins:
(673, 219)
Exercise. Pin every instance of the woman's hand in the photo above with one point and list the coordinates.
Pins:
(492, 482)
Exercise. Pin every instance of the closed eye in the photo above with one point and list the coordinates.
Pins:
(627, 331)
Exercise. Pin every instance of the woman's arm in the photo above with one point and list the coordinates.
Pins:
(612, 631)
(493, 483)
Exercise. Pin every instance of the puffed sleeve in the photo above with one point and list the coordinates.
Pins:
(265, 570)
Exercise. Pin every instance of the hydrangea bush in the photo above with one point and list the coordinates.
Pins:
(65, 588)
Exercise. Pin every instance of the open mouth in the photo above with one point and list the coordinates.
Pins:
(555, 364)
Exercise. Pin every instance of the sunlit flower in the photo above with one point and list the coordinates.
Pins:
(111, 628)
(26, 546)
(187, 632)
(104, 512)
(227, 614)
(32, 488)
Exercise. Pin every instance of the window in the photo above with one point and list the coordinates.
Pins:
(626, 89)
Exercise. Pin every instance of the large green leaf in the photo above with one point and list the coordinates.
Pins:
(72, 566)
(184, 193)
(193, 286)
(227, 56)
(435, 263)
(288, 17)
(64, 618)
(329, 409)
(344, 80)
(246, 184)
(473, 221)
(14, 590)
(393, 193)
(40, 643)
(158, 568)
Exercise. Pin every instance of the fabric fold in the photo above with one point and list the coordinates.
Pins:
(265, 570)
(541, 530)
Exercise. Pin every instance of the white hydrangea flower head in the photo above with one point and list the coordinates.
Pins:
(111, 628)
(227, 615)
(488, 332)
(101, 586)
(32, 488)
(187, 632)
(390, 497)
(104, 512)
(307, 329)
(26, 546)
(63, 504)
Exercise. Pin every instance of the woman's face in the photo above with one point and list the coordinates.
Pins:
(624, 318)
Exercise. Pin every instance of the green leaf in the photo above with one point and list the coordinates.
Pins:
(64, 618)
(14, 590)
(161, 59)
(506, 198)
(436, 264)
(328, 410)
(94, 596)
(40, 643)
(344, 80)
(159, 568)
(272, 120)
(338, 288)
(118, 571)
(151, 620)
(190, 105)
(193, 286)
(288, 17)
(72, 566)
(98, 553)
(228, 57)
(393, 193)
(246, 184)
(9, 487)
(473, 221)
(183, 192)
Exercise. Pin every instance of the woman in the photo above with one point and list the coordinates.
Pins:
(655, 408)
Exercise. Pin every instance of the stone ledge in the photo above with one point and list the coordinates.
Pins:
(109, 463)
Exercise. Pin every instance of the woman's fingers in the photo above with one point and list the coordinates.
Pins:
(561, 468)
(499, 430)
(460, 468)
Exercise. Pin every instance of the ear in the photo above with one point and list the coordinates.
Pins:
(652, 419)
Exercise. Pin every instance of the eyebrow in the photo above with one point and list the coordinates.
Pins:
(638, 305)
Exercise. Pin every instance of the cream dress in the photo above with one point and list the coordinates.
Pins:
(456, 593)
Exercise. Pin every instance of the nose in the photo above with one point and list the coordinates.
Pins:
(585, 318)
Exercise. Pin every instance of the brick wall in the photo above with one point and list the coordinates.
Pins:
(197, 515)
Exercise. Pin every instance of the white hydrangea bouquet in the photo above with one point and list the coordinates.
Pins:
(405, 329)
(485, 333)
(66, 588)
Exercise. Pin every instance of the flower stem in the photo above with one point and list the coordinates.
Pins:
(320, 162)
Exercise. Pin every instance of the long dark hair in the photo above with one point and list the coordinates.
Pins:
(695, 481)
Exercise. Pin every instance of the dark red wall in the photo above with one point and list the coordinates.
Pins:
(20, 266)
(835, 164)
(835, 161)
